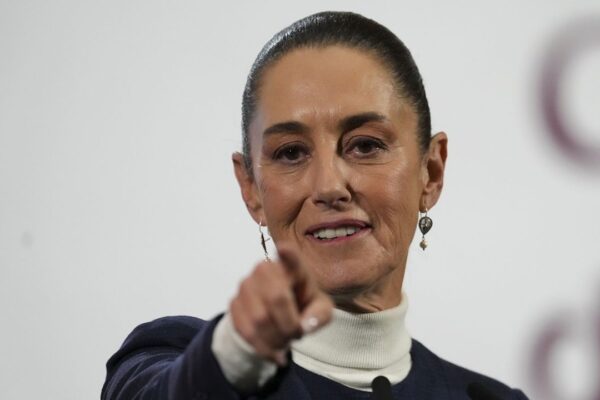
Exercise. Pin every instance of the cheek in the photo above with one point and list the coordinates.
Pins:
(281, 205)
(392, 200)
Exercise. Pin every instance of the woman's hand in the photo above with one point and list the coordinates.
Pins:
(278, 302)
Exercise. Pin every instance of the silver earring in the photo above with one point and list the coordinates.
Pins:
(263, 241)
(425, 224)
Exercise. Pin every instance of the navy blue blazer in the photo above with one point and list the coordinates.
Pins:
(171, 359)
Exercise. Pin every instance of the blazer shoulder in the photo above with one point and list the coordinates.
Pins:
(174, 332)
(458, 379)
(169, 357)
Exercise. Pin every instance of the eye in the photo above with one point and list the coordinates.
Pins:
(365, 146)
(291, 153)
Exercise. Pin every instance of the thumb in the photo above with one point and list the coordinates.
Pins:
(317, 313)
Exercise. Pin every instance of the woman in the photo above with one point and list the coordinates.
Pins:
(338, 162)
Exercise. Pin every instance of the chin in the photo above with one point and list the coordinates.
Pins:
(347, 278)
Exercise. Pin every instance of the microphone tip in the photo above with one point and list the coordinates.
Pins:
(382, 388)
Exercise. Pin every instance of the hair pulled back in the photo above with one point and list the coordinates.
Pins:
(350, 30)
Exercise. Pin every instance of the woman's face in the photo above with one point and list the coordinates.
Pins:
(337, 171)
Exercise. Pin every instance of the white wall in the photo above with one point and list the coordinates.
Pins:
(118, 203)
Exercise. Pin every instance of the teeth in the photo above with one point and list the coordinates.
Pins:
(333, 233)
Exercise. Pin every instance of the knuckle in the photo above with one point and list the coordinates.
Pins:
(244, 286)
(249, 333)
(262, 268)
(259, 274)
(279, 297)
(236, 310)
(261, 319)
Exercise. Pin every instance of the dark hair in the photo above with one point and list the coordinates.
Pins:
(350, 30)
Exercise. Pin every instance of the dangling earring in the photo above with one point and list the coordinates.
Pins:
(263, 241)
(425, 224)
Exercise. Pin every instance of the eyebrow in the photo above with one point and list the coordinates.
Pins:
(354, 121)
(286, 127)
(345, 125)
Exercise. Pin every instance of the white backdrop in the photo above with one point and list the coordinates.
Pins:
(118, 203)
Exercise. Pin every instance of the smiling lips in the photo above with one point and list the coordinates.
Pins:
(336, 230)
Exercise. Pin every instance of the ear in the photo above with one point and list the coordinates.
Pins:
(248, 188)
(434, 164)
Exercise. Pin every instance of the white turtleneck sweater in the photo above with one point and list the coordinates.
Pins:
(352, 350)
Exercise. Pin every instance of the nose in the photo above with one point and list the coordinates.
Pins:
(330, 184)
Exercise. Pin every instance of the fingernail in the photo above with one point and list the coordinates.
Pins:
(310, 324)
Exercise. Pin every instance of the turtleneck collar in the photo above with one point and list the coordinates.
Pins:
(355, 348)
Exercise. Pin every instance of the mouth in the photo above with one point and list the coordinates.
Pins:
(336, 231)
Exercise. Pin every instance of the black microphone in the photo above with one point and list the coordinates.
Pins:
(479, 391)
(382, 388)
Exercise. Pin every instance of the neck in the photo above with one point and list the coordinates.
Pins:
(379, 297)
(365, 304)
(356, 347)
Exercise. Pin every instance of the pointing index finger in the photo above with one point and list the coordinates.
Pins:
(303, 285)
(315, 306)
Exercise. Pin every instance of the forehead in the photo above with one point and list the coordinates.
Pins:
(325, 84)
